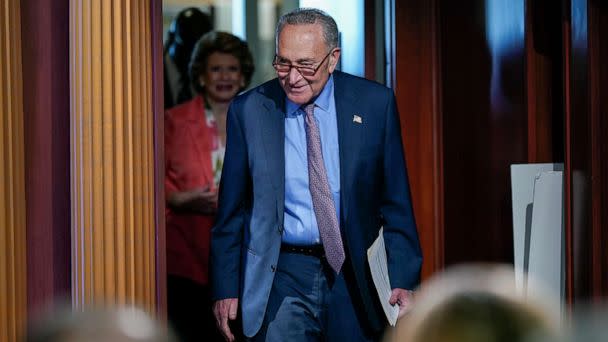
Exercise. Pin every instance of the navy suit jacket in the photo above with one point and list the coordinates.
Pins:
(374, 187)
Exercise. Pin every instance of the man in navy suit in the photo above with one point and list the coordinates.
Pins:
(314, 167)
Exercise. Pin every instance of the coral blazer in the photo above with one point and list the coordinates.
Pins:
(188, 146)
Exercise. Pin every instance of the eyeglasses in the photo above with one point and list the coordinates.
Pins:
(306, 71)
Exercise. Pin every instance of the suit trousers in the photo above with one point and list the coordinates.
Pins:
(309, 302)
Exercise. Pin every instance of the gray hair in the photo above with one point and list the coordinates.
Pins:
(304, 16)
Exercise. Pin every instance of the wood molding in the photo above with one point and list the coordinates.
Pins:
(156, 15)
(112, 168)
(13, 266)
(598, 99)
(484, 126)
(566, 31)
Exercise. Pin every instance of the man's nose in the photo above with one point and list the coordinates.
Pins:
(294, 75)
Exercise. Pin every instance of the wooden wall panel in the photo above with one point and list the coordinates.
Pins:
(12, 183)
(586, 134)
(47, 146)
(112, 170)
(578, 150)
(416, 75)
(544, 85)
(484, 125)
(598, 35)
(478, 92)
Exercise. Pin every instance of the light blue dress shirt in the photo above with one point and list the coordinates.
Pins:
(300, 222)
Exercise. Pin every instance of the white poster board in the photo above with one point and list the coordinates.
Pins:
(546, 262)
(523, 177)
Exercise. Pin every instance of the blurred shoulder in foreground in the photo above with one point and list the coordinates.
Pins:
(119, 325)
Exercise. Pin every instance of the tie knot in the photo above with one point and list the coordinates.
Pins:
(309, 108)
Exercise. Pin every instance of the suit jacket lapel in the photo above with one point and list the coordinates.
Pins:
(272, 124)
(349, 136)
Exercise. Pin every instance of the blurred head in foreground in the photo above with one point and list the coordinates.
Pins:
(475, 303)
(116, 325)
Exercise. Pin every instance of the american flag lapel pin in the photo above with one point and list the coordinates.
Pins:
(357, 119)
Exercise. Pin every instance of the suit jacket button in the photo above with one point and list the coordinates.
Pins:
(280, 229)
(273, 268)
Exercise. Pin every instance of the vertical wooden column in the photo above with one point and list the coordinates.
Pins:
(112, 166)
(13, 268)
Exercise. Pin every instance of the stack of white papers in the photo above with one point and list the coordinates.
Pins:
(376, 255)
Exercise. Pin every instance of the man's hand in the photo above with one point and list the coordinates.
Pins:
(404, 298)
(224, 310)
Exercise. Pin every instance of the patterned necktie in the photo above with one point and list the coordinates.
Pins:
(322, 199)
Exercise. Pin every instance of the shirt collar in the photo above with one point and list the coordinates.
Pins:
(322, 101)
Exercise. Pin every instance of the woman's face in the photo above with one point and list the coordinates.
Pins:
(222, 78)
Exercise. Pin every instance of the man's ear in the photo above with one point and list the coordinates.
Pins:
(334, 57)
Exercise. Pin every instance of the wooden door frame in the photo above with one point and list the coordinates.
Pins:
(156, 21)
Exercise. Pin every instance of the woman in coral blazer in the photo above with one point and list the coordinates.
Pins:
(195, 135)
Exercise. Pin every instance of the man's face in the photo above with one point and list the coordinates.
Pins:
(304, 46)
